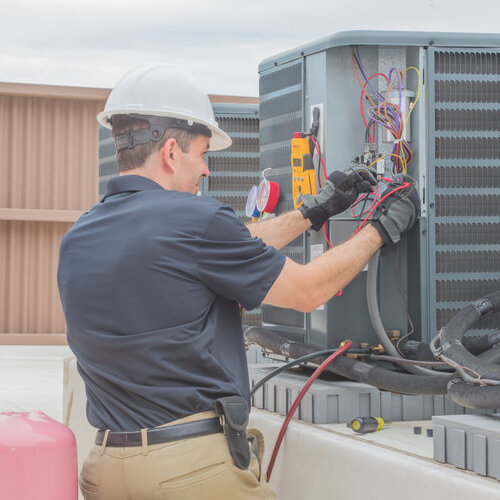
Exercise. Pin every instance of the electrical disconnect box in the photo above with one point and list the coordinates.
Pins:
(427, 104)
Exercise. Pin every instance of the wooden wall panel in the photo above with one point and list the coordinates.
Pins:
(49, 153)
(48, 176)
(29, 298)
(14, 270)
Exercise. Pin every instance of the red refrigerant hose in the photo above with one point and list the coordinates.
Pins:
(296, 403)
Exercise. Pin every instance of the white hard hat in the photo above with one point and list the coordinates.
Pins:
(165, 91)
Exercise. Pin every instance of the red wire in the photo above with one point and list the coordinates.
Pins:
(296, 403)
(326, 235)
(367, 209)
(326, 176)
(405, 185)
(320, 155)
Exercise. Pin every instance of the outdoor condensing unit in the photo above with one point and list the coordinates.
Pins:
(449, 86)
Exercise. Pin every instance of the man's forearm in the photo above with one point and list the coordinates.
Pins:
(305, 287)
(340, 265)
(278, 231)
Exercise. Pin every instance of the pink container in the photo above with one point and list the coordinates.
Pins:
(37, 458)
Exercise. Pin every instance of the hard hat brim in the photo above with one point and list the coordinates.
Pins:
(219, 140)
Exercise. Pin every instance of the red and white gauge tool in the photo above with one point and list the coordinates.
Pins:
(267, 195)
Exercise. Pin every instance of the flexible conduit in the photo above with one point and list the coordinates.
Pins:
(373, 310)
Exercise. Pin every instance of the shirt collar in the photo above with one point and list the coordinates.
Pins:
(129, 183)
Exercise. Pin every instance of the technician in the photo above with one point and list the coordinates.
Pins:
(150, 281)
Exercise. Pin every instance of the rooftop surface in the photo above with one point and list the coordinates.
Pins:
(32, 379)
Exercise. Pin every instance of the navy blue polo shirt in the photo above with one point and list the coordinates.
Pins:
(150, 282)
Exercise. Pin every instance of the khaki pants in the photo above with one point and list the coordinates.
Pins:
(192, 469)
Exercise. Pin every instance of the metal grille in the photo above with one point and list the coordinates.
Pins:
(470, 262)
(235, 170)
(107, 159)
(280, 113)
(467, 147)
(468, 205)
(467, 119)
(285, 76)
(467, 177)
(231, 183)
(465, 290)
(467, 234)
(283, 317)
(252, 318)
(464, 181)
(466, 62)
(463, 91)
(486, 323)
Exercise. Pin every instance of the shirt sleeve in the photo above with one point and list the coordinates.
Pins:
(234, 264)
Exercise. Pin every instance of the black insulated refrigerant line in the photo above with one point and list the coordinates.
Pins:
(388, 380)
(449, 347)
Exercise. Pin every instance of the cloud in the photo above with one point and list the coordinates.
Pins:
(92, 43)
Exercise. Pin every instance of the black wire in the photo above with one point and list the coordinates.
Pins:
(362, 211)
(367, 131)
(286, 366)
(319, 153)
(318, 169)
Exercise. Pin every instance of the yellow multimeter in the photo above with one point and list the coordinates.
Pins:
(303, 173)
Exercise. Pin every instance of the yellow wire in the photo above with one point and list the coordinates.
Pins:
(395, 156)
(416, 100)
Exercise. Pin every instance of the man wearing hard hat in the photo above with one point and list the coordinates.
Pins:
(150, 280)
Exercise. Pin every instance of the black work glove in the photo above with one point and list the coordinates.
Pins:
(399, 211)
(340, 191)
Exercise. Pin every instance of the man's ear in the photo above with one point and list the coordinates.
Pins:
(170, 153)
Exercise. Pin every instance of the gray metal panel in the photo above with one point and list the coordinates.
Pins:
(469, 442)
(107, 159)
(384, 38)
(326, 402)
(463, 182)
(328, 81)
(235, 170)
(281, 114)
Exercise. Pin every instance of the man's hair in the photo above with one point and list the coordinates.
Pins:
(129, 159)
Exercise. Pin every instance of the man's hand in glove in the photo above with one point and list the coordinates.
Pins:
(399, 211)
(340, 191)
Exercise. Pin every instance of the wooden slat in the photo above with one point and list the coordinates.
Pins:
(59, 91)
(33, 339)
(90, 93)
(33, 214)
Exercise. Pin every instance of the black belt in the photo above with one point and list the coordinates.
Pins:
(160, 435)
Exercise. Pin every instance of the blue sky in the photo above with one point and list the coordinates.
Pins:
(92, 43)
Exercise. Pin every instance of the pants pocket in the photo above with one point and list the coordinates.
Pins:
(88, 489)
(198, 477)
